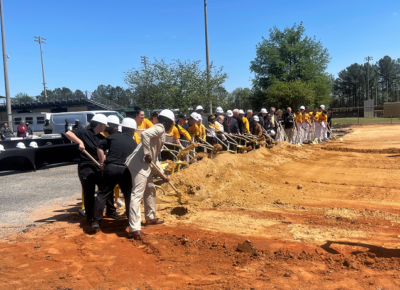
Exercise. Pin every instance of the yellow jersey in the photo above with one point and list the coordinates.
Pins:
(183, 132)
(306, 117)
(202, 132)
(174, 132)
(246, 125)
(299, 118)
(194, 130)
(322, 118)
(137, 138)
(146, 124)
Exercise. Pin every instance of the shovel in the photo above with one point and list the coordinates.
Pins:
(170, 183)
(90, 156)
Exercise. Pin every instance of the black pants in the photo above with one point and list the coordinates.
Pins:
(89, 178)
(113, 174)
(211, 140)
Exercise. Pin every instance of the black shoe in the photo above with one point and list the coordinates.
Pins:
(114, 215)
(95, 227)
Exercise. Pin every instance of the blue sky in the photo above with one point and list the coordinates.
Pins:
(94, 42)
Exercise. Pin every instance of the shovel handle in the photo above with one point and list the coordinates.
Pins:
(163, 176)
(90, 156)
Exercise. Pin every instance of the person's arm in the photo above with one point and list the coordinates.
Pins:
(104, 145)
(153, 132)
(237, 127)
(71, 136)
(184, 133)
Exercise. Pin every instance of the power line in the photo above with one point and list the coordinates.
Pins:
(42, 40)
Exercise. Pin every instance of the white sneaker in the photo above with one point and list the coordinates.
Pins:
(120, 202)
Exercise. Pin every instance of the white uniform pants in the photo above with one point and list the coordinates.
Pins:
(142, 186)
(317, 131)
(299, 138)
(324, 131)
(307, 126)
(312, 133)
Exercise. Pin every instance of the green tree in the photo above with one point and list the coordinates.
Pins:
(291, 56)
(22, 98)
(290, 94)
(178, 85)
(242, 98)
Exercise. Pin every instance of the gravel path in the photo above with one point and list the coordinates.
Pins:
(26, 196)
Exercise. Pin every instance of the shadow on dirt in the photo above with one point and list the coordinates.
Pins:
(378, 251)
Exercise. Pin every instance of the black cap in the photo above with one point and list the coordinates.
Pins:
(183, 116)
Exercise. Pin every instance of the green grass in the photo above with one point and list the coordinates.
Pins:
(354, 121)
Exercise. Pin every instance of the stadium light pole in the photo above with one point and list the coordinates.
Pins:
(207, 55)
(367, 59)
(42, 40)
(6, 84)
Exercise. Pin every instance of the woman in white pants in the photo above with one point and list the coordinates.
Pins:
(299, 127)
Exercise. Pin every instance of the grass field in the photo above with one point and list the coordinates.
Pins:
(365, 121)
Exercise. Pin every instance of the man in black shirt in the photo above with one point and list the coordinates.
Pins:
(119, 147)
(77, 125)
(230, 124)
(288, 120)
(238, 120)
(89, 173)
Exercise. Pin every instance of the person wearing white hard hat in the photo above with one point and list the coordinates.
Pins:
(230, 124)
(113, 123)
(89, 173)
(219, 112)
(323, 123)
(193, 128)
(119, 146)
(255, 127)
(262, 115)
(202, 128)
(245, 121)
(77, 125)
(139, 164)
(204, 119)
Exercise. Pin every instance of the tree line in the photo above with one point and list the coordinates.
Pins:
(350, 88)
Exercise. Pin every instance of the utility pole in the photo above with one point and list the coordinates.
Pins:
(144, 60)
(367, 59)
(3, 39)
(207, 55)
(42, 40)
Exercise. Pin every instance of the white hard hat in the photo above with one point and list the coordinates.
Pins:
(229, 113)
(129, 123)
(272, 133)
(264, 111)
(241, 112)
(255, 118)
(194, 115)
(322, 106)
(199, 118)
(21, 145)
(219, 110)
(112, 119)
(76, 120)
(199, 108)
(168, 114)
(302, 108)
(120, 128)
(100, 118)
(2, 148)
(33, 144)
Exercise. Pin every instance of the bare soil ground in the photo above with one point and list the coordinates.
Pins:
(319, 217)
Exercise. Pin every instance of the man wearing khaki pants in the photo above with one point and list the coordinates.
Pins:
(139, 165)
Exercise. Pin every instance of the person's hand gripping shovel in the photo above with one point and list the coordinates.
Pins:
(169, 181)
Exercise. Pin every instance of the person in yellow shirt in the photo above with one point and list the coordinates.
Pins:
(193, 128)
(182, 127)
(174, 132)
(299, 125)
(142, 124)
(323, 120)
(245, 122)
(306, 123)
(317, 124)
